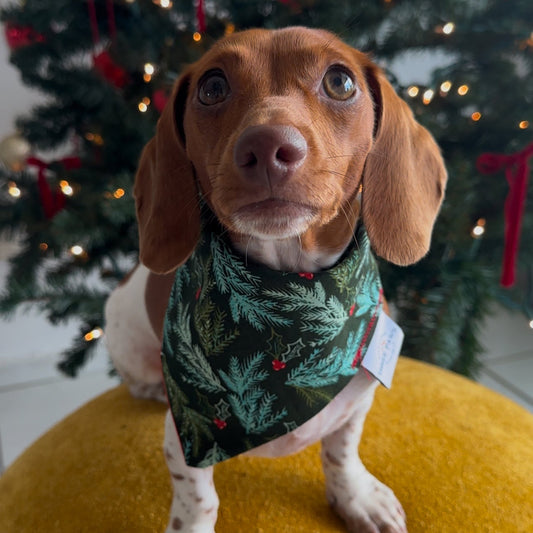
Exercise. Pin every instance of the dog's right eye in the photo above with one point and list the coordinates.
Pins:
(213, 88)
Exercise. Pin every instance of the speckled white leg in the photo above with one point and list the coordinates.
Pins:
(194, 502)
(364, 503)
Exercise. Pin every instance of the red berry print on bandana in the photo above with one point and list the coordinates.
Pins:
(198, 292)
(352, 310)
(278, 365)
(306, 275)
(220, 424)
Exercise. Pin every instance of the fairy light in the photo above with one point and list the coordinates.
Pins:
(445, 87)
(523, 125)
(95, 138)
(479, 229)
(196, 36)
(230, 28)
(476, 115)
(77, 250)
(13, 190)
(462, 90)
(428, 96)
(43, 246)
(119, 193)
(143, 104)
(94, 334)
(413, 91)
(149, 70)
(165, 4)
(448, 28)
(531, 324)
(66, 189)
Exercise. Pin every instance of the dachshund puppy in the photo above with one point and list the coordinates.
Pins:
(280, 156)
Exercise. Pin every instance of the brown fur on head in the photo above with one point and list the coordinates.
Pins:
(276, 78)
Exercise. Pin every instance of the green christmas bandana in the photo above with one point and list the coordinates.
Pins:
(249, 353)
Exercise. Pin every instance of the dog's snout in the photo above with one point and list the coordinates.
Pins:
(270, 153)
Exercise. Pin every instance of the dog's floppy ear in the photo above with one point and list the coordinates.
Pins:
(404, 178)
(166, 194)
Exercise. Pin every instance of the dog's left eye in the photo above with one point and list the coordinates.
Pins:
(338, 84)
(213, 88)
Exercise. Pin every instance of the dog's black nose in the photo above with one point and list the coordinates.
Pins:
(270, 153)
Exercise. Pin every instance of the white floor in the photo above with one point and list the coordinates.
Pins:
(34, 396)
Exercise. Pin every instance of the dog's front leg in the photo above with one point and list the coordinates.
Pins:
(365, 504)
(194, 502)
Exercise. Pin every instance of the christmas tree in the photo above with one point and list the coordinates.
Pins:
(107, 67)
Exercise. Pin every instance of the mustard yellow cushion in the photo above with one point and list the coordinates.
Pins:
(458, 456)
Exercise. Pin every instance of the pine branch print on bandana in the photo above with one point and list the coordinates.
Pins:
(250, 353)
(322, 316)
(320, 370)
(197, 370)
(189, 420)
(251, 404)
(234, 279)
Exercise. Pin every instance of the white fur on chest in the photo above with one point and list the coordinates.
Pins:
(286, 255)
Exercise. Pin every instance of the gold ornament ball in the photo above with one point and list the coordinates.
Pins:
(14, 150)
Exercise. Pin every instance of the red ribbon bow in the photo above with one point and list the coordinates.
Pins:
(52, 202)
(516, 171)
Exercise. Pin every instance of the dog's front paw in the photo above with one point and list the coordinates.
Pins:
(367, 505)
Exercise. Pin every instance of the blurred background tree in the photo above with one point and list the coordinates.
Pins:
(106, 68)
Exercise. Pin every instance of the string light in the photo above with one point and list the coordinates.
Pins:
(94, 334)
(149, 70)
(197, 36)
(479, 229)
(230, 28)
(428, 96)
(13, 190)
(165, 4)
(445, 87)
(476, 115)
(143, 105)
(77, 250)
(119, 193)
(531, 324)
(462, 90)
(66, 189)
(448, 28)
(413, 91)
(43, 247)
(95, 138)
(523, 125)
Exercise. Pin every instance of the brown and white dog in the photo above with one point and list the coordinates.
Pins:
(292, 137)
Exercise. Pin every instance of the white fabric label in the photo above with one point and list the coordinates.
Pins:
(383, 351)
